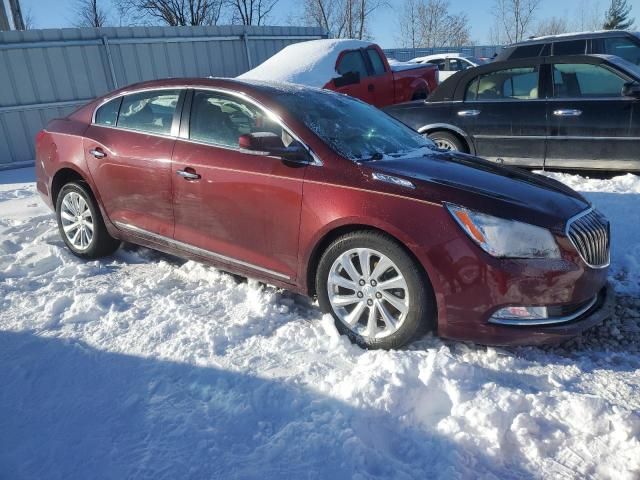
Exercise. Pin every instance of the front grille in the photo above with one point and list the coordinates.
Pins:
(589, 234)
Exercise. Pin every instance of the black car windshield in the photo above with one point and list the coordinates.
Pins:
(352, 128)
(631, 68)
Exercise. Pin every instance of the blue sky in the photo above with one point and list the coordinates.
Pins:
(59, 13)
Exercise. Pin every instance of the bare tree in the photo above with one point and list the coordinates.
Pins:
(171, 12)
(29, 20)
(513, 19)
(90, 14)
(326, 14)
(552, 26)
(250, 12)
(341, 18)
(429, 23)
(409, 23)
(589, 16)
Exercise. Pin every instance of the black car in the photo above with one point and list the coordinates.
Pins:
(610, 42)
(578, 112)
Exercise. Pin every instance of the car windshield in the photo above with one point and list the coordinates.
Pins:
(350, 127)
(626, 65)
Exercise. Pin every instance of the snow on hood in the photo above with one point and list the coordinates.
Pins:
(311, 63)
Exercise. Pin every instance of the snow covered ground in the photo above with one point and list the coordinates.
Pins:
(146, 366)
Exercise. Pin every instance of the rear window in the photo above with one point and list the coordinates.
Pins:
(149, 111)
(107, 114)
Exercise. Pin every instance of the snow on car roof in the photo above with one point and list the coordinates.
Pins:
(311, 63)
(435, 56)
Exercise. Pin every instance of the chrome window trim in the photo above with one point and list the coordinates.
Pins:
(316, 161)
(545, 321)
(195, 250)
(130, 92)
(566, 233)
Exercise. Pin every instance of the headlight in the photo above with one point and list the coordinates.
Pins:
(505, 238)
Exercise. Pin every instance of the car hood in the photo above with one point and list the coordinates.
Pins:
(481, 185)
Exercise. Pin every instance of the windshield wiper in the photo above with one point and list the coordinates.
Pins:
(374, 156)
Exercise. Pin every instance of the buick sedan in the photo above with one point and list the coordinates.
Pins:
(322, 194)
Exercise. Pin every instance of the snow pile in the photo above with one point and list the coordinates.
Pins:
(311, 63)
(142, 365)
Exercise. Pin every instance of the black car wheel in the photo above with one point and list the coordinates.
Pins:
(447, 141)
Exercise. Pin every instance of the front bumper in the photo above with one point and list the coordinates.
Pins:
(553, 332)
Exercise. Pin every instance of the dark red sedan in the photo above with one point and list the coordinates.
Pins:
(325, 195)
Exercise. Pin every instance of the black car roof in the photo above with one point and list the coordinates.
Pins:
(447, 89)
(573, 36)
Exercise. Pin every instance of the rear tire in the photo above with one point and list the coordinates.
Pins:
(80, 223)
(447, 141)
(386, 304)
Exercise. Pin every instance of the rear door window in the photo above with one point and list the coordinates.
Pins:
(508, 84)
(352, 62)
(376, 61)
(585, 81)
(150, 112)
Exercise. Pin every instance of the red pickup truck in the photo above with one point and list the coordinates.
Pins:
(353, 67)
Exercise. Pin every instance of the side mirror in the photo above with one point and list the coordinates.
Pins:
(271, 144)
(349, 78)
(631, 89)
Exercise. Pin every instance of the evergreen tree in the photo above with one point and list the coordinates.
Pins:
(617, 17)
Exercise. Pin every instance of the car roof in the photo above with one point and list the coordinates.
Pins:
(243, 86)
(447, 89)
(573, 36)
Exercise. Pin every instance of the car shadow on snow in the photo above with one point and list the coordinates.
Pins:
(70, 411)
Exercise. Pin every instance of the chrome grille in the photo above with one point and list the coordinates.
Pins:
(589, 233)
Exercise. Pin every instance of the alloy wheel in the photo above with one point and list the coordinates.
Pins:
(368, 293)
(77, 221)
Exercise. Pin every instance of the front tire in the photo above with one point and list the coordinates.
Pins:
(80, 223)
(378, 295)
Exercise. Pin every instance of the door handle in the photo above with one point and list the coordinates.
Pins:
(97, 152)
(188, 175)
(567, 112)
(468, 113)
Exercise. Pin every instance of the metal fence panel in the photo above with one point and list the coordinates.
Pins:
(46, 74)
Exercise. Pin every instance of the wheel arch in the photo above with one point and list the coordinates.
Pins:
(332, 234)
(452, 129)
(61, 178)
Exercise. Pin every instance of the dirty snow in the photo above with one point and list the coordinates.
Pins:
(311, 63)
(142, 365)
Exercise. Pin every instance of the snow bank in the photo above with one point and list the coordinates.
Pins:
(309, 63)
(142, 365)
